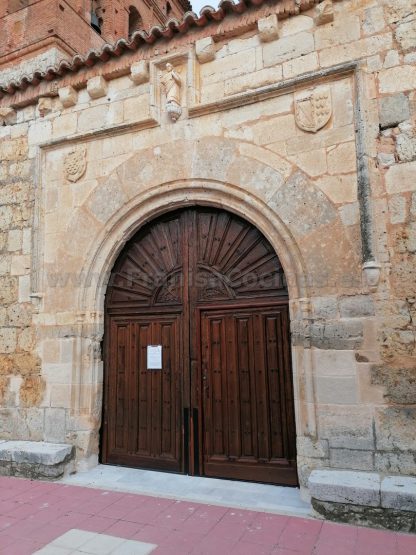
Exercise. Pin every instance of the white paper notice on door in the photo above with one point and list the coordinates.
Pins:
(154, 357)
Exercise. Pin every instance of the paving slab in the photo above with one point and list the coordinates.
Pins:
(68, 520)
(92, 543)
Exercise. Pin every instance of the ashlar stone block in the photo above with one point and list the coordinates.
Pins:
(401, 178)
(351, 458)
(393, 110)
(399, 492)
(345, 428)
(396, 463)
(356, 306)
(288, 48)
(312, 448)
(35, 459)
(34, 452)
(345, 486)
(397, 79)
(97, 87)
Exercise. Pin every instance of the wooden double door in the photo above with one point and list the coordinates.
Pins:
(197, 353)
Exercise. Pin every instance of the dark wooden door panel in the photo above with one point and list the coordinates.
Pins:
(247, 395)
(234, 260)
(144, 407)
(197, 281)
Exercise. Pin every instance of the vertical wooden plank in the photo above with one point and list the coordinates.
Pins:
(112, 389)
(120, 389)
(207, 425)
(260, 401)
(252, 354)
(225, 429)
(133, 389)
(245, 387)
(216, 386)
(156, 386)
(168, 399)
(144, 422)
(233, 400)
(273, 370)
(177, 391)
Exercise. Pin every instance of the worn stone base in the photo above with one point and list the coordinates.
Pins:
(377, 517)
(36, 460)
(365, 498)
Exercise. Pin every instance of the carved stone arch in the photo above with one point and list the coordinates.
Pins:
(293, 214)
(148, 206)
(247, 180)
(212, 171)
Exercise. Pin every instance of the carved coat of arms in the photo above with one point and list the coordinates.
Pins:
(75, 164)
(313, 109)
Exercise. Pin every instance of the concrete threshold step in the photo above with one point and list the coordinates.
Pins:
(212, 491)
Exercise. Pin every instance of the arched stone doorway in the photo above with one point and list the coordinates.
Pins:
(201, 291)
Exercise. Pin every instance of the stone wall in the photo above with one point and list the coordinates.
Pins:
(103, 157)
(21, 383)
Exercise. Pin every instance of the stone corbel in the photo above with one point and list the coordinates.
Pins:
(44, 106)
(97, 87)
(36, 300)
(68, 96)
(139, 72)
(372, 271)
(8, 116)
(324, 13)
(268, 28)
(205, 50)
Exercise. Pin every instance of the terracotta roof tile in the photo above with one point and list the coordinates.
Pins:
(172, 28)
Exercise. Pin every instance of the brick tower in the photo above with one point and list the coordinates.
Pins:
(35, 34)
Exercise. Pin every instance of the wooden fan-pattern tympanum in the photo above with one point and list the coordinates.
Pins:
(208, 287)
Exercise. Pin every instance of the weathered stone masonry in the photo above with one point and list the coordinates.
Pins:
(239, 143)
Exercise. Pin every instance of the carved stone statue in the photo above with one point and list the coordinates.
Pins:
(171, 83)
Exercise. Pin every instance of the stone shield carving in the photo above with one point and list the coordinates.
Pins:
(75, 164)
(313, 109)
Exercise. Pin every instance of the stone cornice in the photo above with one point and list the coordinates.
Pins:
(230, 17)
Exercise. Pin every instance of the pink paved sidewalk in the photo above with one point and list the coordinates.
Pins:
(32, 514)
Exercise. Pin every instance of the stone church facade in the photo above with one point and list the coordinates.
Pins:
(295, 117)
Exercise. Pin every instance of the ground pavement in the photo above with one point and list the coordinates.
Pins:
(59, 519)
